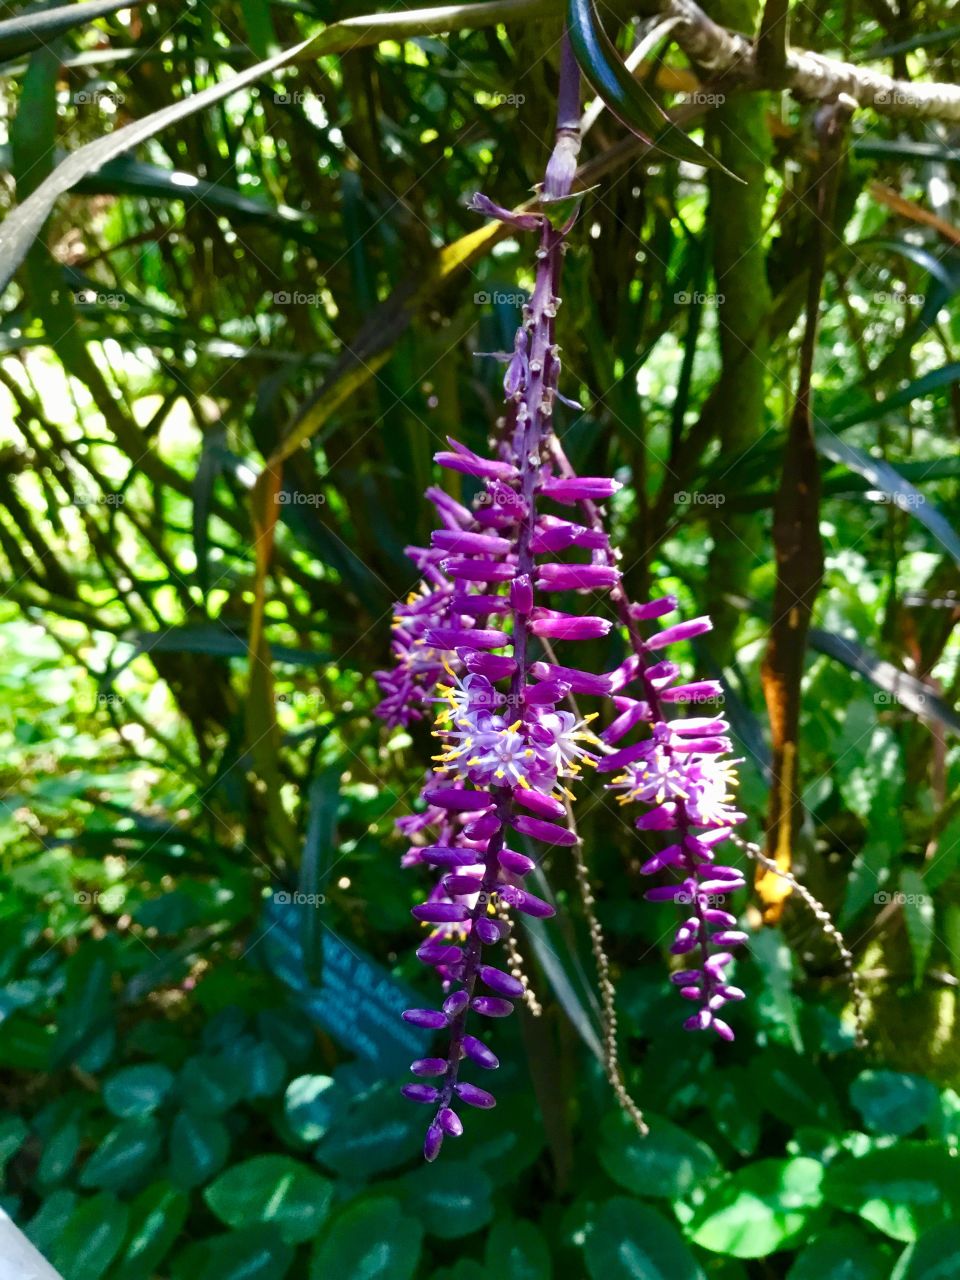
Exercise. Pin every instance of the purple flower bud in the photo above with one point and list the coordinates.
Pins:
(432, 952)
(440, 912)
(420, 1092)
(459, 884)
(450, 1122)
(466, 543)
(653, 608)
(504, 984)
(474, 1097)
(682, 631)
(468, 569)
(491, 665)
(455, 1003)
(429, 1066)
(579, 681)
(439, 857)
(548, 832)
(526, 902)
(583, 488)
(478, 1052)
(489, 931)
(538, 803)
(463, 459)
(521, 594)
(696, 691)
(432, 1019)
(454, 637)
(517, 863)
(565, 626)
(491, 1006)
(454, 798)
(576, 577)
(433, 1142)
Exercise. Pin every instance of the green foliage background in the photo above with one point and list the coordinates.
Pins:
(173, 1106)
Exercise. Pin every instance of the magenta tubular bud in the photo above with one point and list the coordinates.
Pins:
(504, 984)
(516, 863)
(581, 489)
(440, 912)
(521, 593)
(491, 1006)
(430, 1019)
(538, 803)
(537, 829)
(450, 1122)
(464, 543)
(420, 1092)
(653, 608)
(478, 1052)
(473, 1096)
(432, 1143)
(492, 665)
(526, 902)
(460, 801)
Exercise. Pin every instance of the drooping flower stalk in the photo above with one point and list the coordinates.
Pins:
(506, 756)
(679, 771)
(510, 757)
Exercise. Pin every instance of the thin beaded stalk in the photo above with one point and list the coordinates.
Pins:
(829, 929)
(608, 993)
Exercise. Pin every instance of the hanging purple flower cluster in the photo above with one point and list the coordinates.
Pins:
(477, 641)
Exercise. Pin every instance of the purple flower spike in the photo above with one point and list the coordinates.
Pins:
(473, 646)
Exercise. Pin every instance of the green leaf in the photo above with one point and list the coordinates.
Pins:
(517, 1250)
(198, 1148)
(208, 1083)
(893, 1101)
(254, 1253)
(625, 96)
(272, 1189)
(36, 27)
(372, 1240)
(13, 1132)
(124, 1155)
(667, 1163)
(92, 1238)
(843, 1253)
(137, 1091)
(902, 1190)
(759, 1209)
(630, 1241)
(159, 1213)
(372, 1136)
(895, 489)
(22, 224)
(451, 1198)
(310, 1105)
(935, 1256)
(46, 1226)
(319, 851)
(918, 914)
(59, 1152)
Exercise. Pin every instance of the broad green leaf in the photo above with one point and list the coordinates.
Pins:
(893, 1101)
(158, 1215)
(902, 1190)
(667, 1162)
(517, 1250)
(13, 1132)
(370, 1240)
(137, 1091)
(310, 1105)
(843, 1253)
(46, 1226)
(935, 1256)
(252, 1253)
(59, 1152)
(124, 1155)
(371, 1136)
(451, 1198)
(760, 1209)
(198, 1148)
(92, 1238)
(272, 1189)
(209, 1084)
(630, 1241)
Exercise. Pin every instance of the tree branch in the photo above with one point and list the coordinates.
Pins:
(807, 75)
